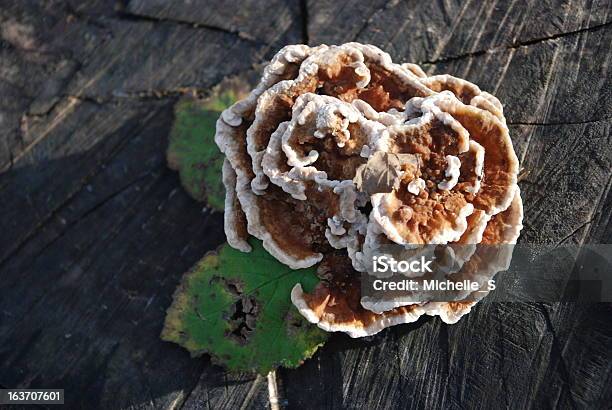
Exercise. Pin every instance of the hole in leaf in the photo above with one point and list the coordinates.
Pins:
(242, 319)
(242, 314)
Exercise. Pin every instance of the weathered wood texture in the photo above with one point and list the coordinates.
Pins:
(96, 231)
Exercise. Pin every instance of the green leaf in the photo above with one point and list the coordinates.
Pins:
(192, 150)
(236, 306)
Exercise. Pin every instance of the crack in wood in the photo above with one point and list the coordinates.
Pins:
(88, 212)
(304, 21)
(558, 352)
(53, 213)
(546, 124)
(104, 240)
(515, 45)
(149, 95)
(127, 16)
(575, 231)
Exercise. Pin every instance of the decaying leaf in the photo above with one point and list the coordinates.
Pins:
(236, 307)
(192, 150)
(382, 172)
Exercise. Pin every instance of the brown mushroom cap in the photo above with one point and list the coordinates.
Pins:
(295, 145)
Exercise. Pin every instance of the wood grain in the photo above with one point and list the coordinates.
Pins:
(96, 231)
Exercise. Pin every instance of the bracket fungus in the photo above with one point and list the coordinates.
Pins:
(338, 152)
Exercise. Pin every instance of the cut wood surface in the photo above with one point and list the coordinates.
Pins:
(97, 231)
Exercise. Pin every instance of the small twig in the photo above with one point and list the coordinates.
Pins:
(273, 391)
(523, 174)
(254, 388)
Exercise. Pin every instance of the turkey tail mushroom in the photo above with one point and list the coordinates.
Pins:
(338, 149)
